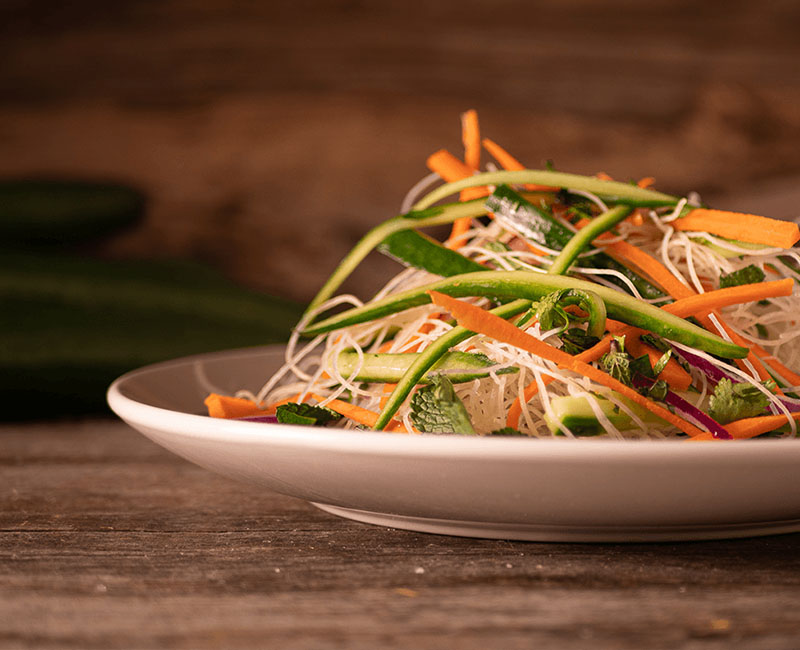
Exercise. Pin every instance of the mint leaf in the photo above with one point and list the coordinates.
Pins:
(658, 391)
(305, 414)
(735, 401)
(575, 340)
(616, 362)
(748, 275)
(642, 366)
(437, 409)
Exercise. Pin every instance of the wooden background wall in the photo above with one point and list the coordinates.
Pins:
(269, 135)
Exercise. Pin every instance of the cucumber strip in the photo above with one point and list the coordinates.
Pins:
(576, 414)
(416, 219)
(412, 248)
(390, 367)
(611, 191)
(585, 236)
(534, 286)
(521, 215)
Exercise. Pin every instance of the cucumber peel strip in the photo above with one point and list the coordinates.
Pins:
(610, 191)
(416, 219)
(534, 286)
(390, 367)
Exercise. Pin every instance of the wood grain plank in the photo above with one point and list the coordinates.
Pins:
(108, 541)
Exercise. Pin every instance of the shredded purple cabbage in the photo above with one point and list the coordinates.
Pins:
(270, 419)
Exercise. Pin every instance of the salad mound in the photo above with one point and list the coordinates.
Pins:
(560, 305)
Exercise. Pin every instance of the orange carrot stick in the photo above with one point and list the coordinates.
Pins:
(358, 414)
(507, 161)
(471, 137)
(452, 169)
(448, 166)
(645, 182)
(751, 427)
(481, 321)
(223, 406)
(743, 227)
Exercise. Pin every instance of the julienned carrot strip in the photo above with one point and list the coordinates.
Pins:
(792, 377)
(471, 137)
(650, 266)
(359, 414)
(751, 427)
(479, 320)
(387, 391)
(507, 161)
(763, 374)
(675, 376)
(448, 166)
(452, 169)
(740, 226)
(682, 307)
(223, 406)
(646, 182)
(603, 176)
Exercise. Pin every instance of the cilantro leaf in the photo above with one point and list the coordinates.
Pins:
(437, 409)
(616, 362)
(306, 414)
(748, 275)
(735, 401)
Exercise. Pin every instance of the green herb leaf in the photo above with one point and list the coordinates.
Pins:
(658, 391)
(748, 275)
(506, 431)
(437, 409)
(306, 414)
(642, 366)
(616, 362)
(735, 401)
(575, 340)
(550, 314)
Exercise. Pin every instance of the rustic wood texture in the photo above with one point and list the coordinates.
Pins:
(270, 136)
(107, 541)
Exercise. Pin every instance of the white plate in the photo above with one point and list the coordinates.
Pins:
(509, 488)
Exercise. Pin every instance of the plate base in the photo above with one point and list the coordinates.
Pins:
(558, 533)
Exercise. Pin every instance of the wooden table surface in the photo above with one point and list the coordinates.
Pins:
(108, 541)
